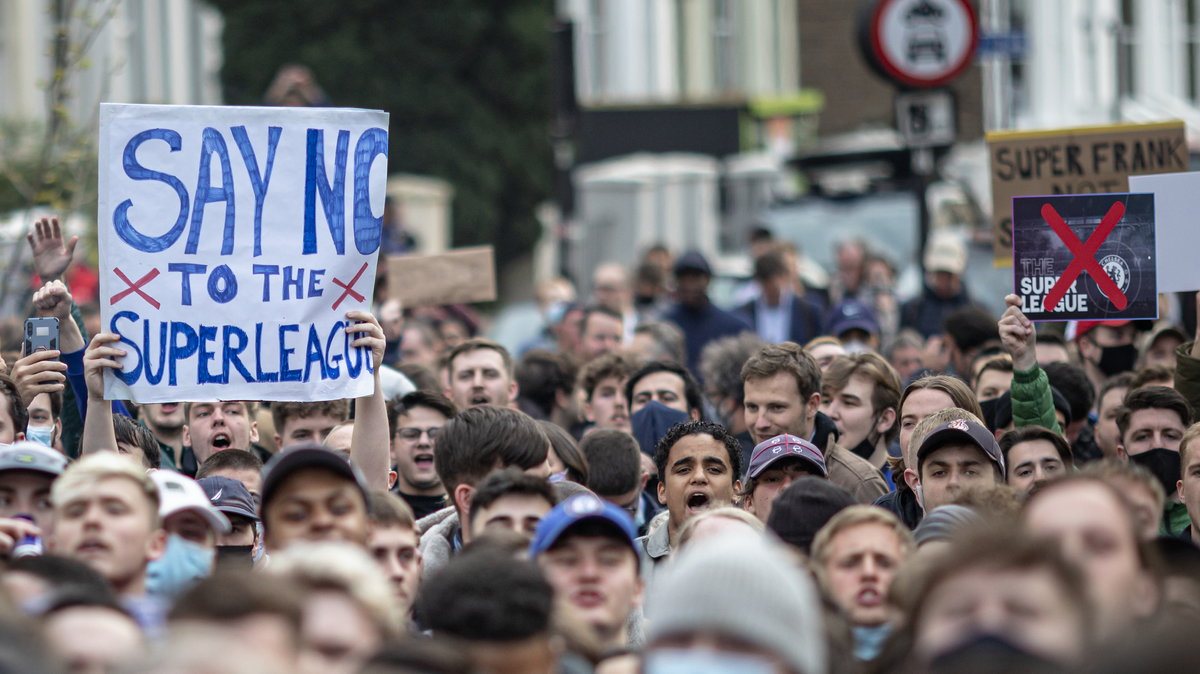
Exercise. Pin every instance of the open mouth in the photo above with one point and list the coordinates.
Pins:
(91, 547)
(168, 408)
(588, 599)
(423, 460)
(869, 597)
(697, 501)
(221, 441)
(480, 400)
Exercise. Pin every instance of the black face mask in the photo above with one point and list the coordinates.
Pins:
(1117, 359)
(990, 654)
(1163, 463)
(240, 556)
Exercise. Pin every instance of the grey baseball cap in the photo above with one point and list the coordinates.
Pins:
(32, 456)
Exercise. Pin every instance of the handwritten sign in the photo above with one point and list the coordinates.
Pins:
(232, 243)
(1084, 160)
(459, 276)
(1085, 257)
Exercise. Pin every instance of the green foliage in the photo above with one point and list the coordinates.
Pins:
(466, 83)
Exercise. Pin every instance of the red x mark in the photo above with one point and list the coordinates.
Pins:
(135, 287)
(349, 289)
(1085, 256)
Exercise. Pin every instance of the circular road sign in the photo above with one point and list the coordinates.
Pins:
(920, 43)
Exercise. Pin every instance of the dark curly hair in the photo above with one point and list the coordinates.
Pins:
(680, 431)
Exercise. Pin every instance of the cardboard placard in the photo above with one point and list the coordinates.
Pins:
(1085, 256)
(1083, 160)
(459, 276)
(233, 241)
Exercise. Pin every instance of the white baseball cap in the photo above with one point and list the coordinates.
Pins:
(178, 492)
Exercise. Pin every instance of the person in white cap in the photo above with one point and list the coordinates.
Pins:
(945, 261)
(192, 524)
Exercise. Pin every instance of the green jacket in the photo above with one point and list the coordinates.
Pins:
(1175, 518)
(1032, 402)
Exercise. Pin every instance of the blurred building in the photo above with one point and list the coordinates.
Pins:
(144, 51)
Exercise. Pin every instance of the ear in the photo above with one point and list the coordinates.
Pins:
(811, 408)
(587, 411)
(912, 479)
(187, 437)
(748, 503)
(392, 477)
(462, 498)
(513, 391)
(886, 420)
(694, 415)
(1122, 454)
(737, 487)
(662, 492)
(156, 546)
(278, 440)
(1179, 489)
(254, 432)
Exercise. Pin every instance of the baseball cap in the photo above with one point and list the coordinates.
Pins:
(228, 495)
(305, 456)
(961, 430)
(1163, 332)
(945, 252)
(779, 447)
(32, 456)
(576, 509)
(851, 314)
(1084, 327)
(178, 492)
(692, 261)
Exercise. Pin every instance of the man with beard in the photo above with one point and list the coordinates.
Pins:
(698, 466)
(415, 421)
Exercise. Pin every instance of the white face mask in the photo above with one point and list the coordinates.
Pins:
(920, 496)
(43, 435)
(680, 661)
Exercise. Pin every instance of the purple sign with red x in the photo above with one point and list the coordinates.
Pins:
(1085, 256)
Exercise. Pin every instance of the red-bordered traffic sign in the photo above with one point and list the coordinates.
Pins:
(921, 43)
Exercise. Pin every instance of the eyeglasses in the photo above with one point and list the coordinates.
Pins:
(414, 433)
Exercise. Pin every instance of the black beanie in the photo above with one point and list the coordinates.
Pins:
(800, 511)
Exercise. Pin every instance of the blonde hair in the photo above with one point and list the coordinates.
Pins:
(854, 516)
(1189, 436)
(83, 474)
(728, 512)
(347, 569)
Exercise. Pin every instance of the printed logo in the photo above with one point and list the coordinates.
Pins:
(1117, 269)
(959, 425)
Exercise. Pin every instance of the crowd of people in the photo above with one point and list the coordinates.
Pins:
(824, 477)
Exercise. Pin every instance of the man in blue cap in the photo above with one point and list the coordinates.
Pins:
(699, 319)
(586, 550)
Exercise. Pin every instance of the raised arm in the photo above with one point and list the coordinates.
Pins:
(369, 444)
(1032, 401)
(98, 433)
(51, 255)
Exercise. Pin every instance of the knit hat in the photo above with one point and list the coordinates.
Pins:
(741, 586)
(943, 522)
(800, 511)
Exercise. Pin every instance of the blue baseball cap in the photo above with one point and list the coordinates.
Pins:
(574, 510)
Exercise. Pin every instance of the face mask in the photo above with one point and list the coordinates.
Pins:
(179, 568)
(678, 661)
(43, 435)
(868, 641)
(559, 476)
(1163, 464)
(996, 650)
(1117, 359)
(237, 556)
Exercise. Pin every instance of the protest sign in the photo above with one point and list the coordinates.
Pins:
(1176, 203)
(1085, 257)
(459, 276)
(232, 243)
(1083, 160)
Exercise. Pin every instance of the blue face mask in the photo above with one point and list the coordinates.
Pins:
(181, 566)
(678, 661)
(43, 435)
